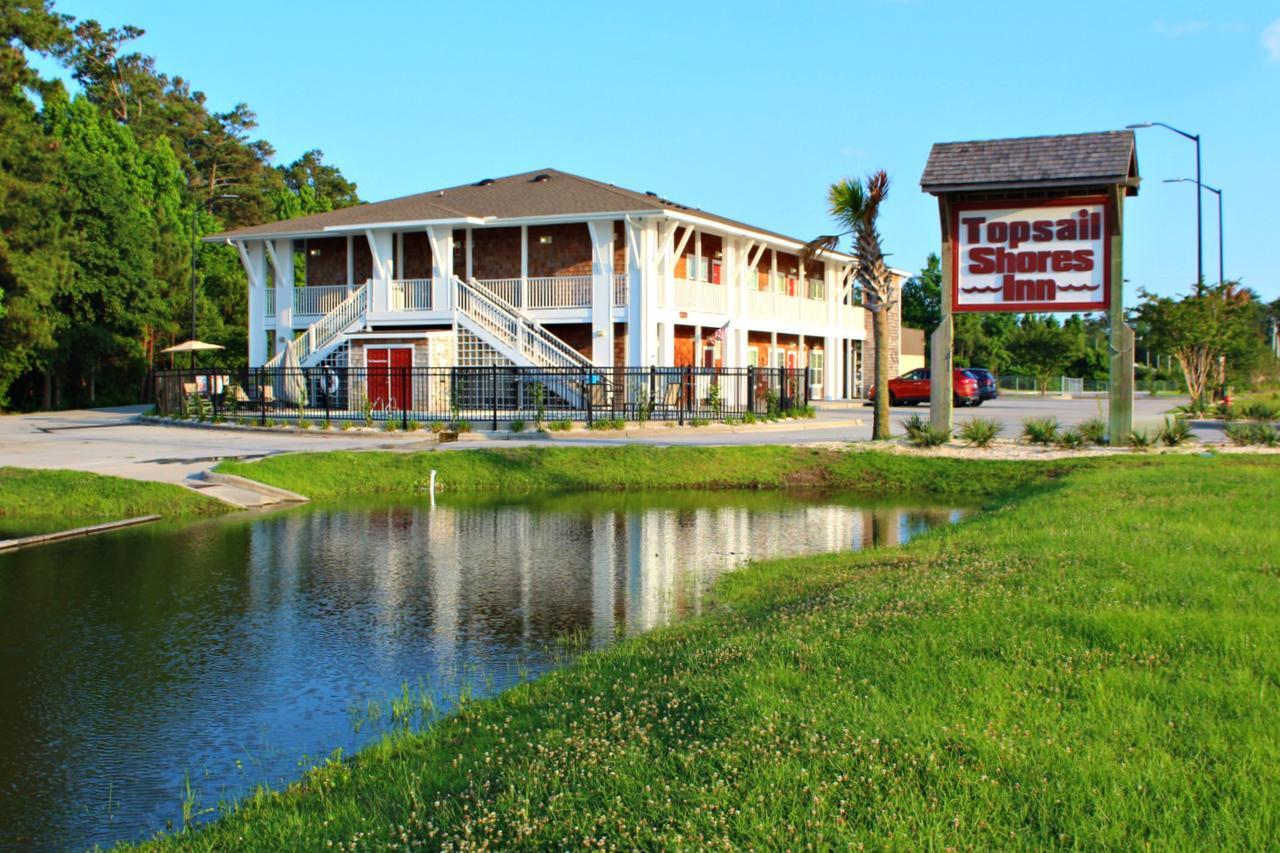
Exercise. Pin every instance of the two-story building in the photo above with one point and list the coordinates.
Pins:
(549, 269)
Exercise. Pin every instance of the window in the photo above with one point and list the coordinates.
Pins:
(816, 289)
(779, 357)
(815, 367)
(753, 357)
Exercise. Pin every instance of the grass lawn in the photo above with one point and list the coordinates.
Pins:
(44, 498)
(1092, 663)
(636, 468)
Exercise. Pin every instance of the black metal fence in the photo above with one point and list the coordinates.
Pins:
(481, 395)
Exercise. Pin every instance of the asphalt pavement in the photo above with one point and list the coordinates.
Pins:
(111, 441)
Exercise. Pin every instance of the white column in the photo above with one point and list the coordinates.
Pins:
(666, 322)
(253, 259)
(728, 280)
(351, 261)
(280, 255)
(468, 249)
(642, 287)
(379, 287)
(601, 231)
(441, 239)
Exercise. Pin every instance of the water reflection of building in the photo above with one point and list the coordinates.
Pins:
(516, 577)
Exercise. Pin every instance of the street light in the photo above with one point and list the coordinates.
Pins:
(1194, 137)
(1218, 193)
(195, 209)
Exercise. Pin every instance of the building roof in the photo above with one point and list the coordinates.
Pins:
(540, 193)
(1108, 157)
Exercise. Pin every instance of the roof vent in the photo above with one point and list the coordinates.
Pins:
(486, 182)
(541, 178)
(651, 193)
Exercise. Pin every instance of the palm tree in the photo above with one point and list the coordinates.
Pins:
(855, 207)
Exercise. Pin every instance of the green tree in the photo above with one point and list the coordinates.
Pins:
(1041, 347)
(856, 207)
(922, 298)
(1204, 331)
(34, 260)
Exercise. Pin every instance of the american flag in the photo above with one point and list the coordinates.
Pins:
(719, 333)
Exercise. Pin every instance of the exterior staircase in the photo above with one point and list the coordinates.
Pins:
(501, 326)
(328, 333)
(509, 331)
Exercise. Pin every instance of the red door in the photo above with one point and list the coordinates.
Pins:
(389, 381)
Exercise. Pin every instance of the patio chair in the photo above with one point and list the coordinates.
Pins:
(194, 404)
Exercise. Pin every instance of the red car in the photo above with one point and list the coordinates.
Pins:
(913, 387)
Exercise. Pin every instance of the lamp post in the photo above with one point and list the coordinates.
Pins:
(1218, 192)
(194, 210)
(1194, 137)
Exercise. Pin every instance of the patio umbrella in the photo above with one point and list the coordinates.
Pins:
(291, 386)
(192, 347)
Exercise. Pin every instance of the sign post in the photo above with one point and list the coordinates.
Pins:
(1034, 225)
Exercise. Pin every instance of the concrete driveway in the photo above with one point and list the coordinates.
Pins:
(109, 441)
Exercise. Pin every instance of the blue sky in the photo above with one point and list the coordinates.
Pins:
(750, 109)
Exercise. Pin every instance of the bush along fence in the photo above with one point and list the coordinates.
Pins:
(481, 395)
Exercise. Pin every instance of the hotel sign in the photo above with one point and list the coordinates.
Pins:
(1038, 256)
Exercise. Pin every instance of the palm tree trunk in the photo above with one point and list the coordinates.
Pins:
(880, 333)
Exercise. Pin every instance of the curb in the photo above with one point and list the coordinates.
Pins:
(281, 495)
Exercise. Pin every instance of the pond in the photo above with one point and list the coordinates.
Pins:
(153, 672)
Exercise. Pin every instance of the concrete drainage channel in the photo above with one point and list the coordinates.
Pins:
(240, 491)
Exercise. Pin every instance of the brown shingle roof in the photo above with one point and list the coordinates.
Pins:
(543, 192)
(1108, 157)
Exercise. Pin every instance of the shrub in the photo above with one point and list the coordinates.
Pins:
(436, 426)
(1070, 439)
(1141, 440)
(920, 433)
(303, 423)
(1253, 433)
(461, 425)
(698, 422)
(1260, 410)
(1040, 430)
(801, 412)
(559, 426)
(1094, 430)
(326, 424)
(749, 418)
(517, 425)
(607, 423)
(1173, 432)
(346, 425)
(414, 426)
(1239, 433)
(980, 432)
(390, 425)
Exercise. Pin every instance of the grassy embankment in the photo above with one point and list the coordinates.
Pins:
(1093, 663)
(343, 474)
(45, 498)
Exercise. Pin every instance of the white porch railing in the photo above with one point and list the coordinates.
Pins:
(560, 291)
(269, 304)
(320, 299)
(619, 290)
(506, 289)
(701, 296)
(410, 294)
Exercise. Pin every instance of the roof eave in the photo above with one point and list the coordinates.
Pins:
(1130, 184)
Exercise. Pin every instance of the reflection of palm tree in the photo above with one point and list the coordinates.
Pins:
(856, 208)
